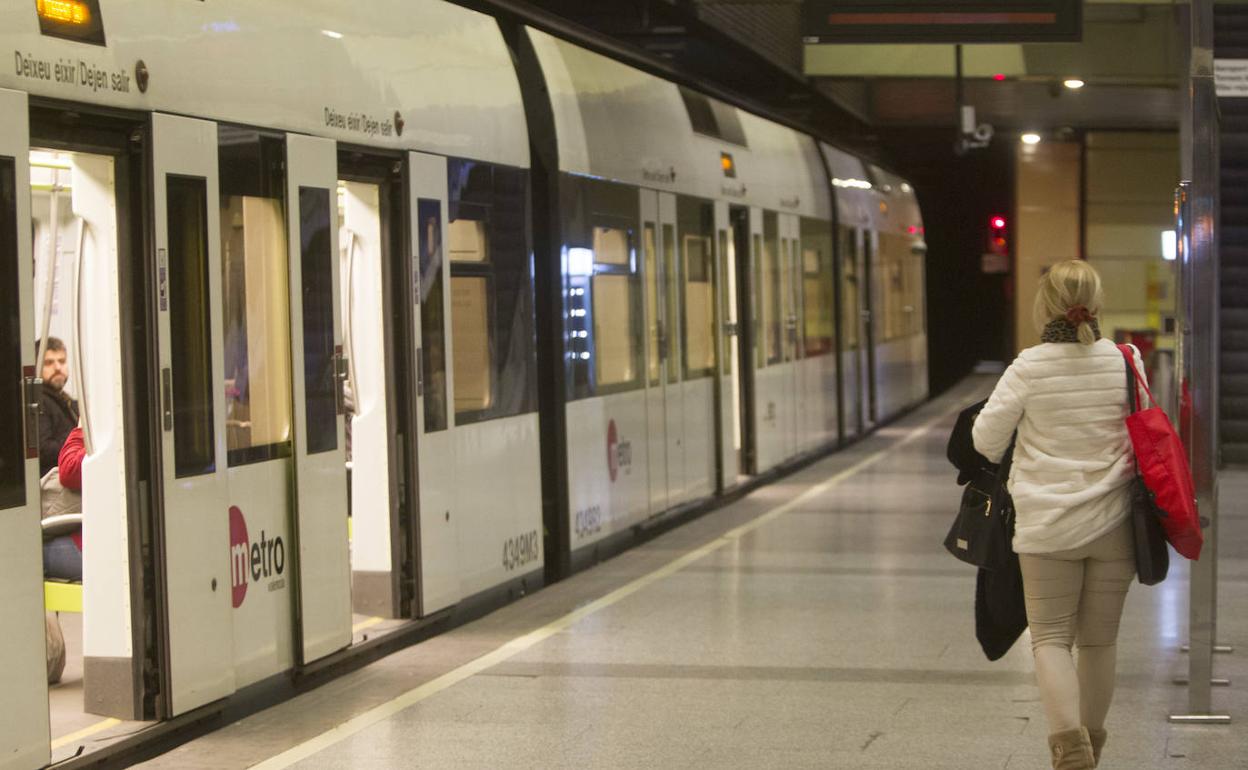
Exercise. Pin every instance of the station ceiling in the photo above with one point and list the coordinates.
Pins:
(1131, 57)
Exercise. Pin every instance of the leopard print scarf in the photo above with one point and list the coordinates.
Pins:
(1061, 330)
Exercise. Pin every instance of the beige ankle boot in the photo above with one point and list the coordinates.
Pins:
(1098, 743)
(1072, 750)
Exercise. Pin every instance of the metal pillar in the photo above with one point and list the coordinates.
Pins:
(1199, 338)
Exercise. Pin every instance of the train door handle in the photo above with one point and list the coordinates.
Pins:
(166, 398)
(340, 380)
(420, 374)
(30, 409)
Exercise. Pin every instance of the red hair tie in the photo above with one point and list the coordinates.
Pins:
(1078, 315)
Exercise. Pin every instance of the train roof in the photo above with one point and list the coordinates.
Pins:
(617, 122)
(409, 74)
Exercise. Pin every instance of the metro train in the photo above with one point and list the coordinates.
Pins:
(373, 315)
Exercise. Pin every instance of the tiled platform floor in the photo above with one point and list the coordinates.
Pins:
(835, 633)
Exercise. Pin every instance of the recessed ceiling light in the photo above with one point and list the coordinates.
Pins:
(1073, 83)
(1030, 138)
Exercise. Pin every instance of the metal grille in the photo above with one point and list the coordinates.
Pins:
(1231, 42)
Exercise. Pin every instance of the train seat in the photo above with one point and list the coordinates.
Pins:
(61, 595)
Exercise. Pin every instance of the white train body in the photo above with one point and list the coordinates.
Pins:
(292, 254)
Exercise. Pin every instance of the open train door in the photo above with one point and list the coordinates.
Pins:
(24, 731)
(198, 562)
(434, 355)
(317, 366)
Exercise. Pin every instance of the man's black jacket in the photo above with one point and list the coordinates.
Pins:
(1000, 615)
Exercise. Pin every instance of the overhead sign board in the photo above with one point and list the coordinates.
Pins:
(941, 21)
(1230, 77)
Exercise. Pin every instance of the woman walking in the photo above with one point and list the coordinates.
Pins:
(1073, 463)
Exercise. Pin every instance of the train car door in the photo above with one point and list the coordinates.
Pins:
(851, 329)
(746, 336)
(323, 585)
(371, 225)
(439, 530)
(663, 394)
(194, 563)
(868, 303)
(794, 409)
(728, 390)
(24, 732)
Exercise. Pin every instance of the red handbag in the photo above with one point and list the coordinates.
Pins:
(1162, 462)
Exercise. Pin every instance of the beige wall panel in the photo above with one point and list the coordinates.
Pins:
(1124, 241)
(1047, 201)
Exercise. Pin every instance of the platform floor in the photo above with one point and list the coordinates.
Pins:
(816, 623)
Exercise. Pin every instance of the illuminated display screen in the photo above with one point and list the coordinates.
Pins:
(71, 19)
(941, 21)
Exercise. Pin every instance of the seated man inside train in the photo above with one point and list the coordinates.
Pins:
(58, 414)
(62, 555)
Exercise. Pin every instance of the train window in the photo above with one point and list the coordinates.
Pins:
(190, 324)
(492, 324)
(696, 221)
(470, 338)
(788, 313)
(255, 292)
(851, 317)
(756, 297)
(617, 345)
(614, 349)
(317, 267)
(432, 313)
(672, 293)
(819, 309)
(771, 288)
(725, 297)
(469, 242)
(652, 301)
(12, 451)
(711, 117)
(605, 335)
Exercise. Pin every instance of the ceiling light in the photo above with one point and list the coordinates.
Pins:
(1073, 83)
(1030, 138)
(331, 33)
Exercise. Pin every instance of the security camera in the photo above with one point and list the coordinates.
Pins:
(983, 133)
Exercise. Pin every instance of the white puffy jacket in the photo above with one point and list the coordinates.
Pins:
(1073, 459)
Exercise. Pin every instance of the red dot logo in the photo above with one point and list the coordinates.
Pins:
(240, 556)
(613, 457)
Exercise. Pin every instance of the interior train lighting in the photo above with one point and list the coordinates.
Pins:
(1030, 138)
(855, 184)
(331, 33)
(63, 11)
(1169, 245)
(1073, 83)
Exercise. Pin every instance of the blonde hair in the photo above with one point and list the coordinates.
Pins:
(1067, 285)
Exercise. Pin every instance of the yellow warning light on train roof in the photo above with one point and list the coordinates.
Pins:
(728, 165)
(63, 11)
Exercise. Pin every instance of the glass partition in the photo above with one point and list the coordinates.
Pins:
(190, 324)
(255, 292)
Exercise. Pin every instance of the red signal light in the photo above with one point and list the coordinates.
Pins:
(1000, 76)
(998, 223)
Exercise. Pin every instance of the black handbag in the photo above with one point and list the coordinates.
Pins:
(980, 534)
(1152, 557)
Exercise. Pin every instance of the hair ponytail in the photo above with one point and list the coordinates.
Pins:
(1070, 289)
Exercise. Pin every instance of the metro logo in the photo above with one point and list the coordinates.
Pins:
(619, 453)
(252, 561)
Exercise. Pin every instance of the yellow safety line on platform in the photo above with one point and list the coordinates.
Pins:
(363, 624)
(85, 732)
(410, 698)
